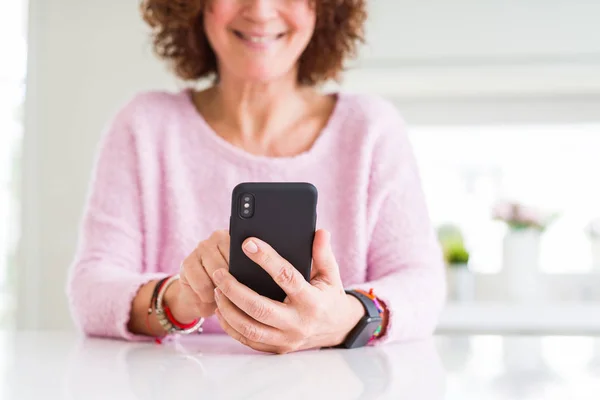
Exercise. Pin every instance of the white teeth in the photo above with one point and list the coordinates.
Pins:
(260, 39)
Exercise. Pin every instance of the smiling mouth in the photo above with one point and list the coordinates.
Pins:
(259, 39)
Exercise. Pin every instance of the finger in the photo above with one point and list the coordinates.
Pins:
(313, 273)
(223, 244)
(190, 299)
(195, 276)
(241, 338)
(325, 266)
(283, 273)
(249, 328)
(260, 308)
(212, 259)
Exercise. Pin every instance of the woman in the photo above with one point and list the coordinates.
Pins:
(168, 163)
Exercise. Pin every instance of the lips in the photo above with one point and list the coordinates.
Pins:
(258, 38)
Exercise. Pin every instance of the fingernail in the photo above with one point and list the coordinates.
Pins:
(218, 276)
(251, 247)
(217, 294)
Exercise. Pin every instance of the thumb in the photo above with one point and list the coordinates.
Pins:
(325, 266)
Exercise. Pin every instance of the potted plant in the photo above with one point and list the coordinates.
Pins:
(461, 282)
(520, 217)
(521, 247)
(592, 231)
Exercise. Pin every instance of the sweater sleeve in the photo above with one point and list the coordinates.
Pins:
(405, 265)
(109, 264)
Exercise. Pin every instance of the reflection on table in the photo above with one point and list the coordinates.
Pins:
(218, 367)
(64, 366)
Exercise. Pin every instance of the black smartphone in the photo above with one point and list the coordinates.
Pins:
(284, 215)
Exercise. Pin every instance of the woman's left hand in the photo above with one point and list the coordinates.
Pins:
(315, 314)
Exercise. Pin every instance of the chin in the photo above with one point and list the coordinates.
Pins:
(262, 73)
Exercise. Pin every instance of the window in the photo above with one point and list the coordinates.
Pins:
(466, 169)
(12, 94)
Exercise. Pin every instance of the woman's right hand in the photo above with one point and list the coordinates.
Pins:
(193, 296)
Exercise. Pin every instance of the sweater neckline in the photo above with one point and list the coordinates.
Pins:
(240, 156)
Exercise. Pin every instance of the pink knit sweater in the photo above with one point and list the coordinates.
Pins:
(163, 182)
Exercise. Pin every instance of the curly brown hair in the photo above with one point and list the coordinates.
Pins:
(178, 37)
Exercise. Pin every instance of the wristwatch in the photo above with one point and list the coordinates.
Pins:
(368, 325)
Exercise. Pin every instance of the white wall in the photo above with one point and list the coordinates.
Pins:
(85, 59)
(483, 31)
(443, 62)
(481, 61)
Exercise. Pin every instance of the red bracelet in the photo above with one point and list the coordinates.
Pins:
(178, 324)
(170, 316)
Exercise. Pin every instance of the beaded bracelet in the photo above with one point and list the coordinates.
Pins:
(163, 312)
(379, 307)
(151, 309)
(166, 319)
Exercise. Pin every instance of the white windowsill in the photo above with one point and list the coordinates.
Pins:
(512, 81)
(561, 318)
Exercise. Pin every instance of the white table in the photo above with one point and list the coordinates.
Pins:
(47, 365)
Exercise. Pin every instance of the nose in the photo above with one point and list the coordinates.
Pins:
(260, 10)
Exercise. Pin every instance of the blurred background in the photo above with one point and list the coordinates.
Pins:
(502, 98)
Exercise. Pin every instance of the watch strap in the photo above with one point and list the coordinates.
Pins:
(368, 304)
(369, 324)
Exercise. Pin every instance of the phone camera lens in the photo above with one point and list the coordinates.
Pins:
(246, 206)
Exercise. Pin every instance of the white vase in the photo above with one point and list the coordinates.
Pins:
(595, 248)
(520, 264)
(461, 283)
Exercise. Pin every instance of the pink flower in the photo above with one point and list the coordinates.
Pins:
(519, 216)
(503, 211)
